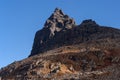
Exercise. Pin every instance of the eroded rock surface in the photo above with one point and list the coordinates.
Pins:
(67, 63)
(56, 23)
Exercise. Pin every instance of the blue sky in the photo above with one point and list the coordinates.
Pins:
(20, 19)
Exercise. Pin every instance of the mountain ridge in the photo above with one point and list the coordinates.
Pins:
(60, 29)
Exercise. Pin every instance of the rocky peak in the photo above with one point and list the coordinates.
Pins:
(58, 21)
(58, 12)
(60, 30)
(89, 23)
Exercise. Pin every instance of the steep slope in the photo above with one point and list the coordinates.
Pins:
(63, 50)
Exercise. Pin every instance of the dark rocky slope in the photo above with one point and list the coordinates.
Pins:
(63, 50)
(61, 30)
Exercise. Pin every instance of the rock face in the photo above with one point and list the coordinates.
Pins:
(60, 30)
(56, 23)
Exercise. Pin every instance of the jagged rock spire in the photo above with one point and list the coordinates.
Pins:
(58, 21)
(58, 11)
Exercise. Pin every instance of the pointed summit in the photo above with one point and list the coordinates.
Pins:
(58, 11)
(58, 21)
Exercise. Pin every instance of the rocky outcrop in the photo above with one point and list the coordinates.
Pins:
(56, 23)
(60, 30)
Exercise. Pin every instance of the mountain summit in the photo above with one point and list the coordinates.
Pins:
(63, 50)
(59, 21)
(56, 23)
(60, 29)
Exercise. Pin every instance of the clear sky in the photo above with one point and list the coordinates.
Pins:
(20, 19)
